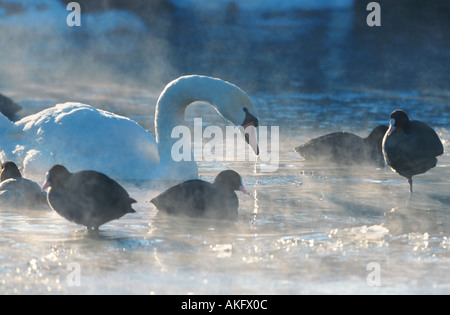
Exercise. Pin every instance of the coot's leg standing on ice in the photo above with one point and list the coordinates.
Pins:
(410, 147)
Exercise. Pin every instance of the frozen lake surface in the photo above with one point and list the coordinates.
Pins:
(304, 229)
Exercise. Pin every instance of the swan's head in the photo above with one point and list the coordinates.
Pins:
(234, 105)
(230, 102)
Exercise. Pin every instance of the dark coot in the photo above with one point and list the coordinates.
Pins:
(410, 147)
(9, 170)
(18, 192)
(88, 198)
(345, 148)
(198, 198)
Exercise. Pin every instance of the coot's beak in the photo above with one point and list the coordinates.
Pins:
(244, 191)
(391, 127)
(250, 136)
(46, 183)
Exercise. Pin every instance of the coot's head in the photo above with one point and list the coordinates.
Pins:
(398, 120)
(230, 180)
(56, 177)
(9, 170)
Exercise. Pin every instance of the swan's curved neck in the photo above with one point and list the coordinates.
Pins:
(171, 106)
(228, 100)
(170, 113)
(172, 103)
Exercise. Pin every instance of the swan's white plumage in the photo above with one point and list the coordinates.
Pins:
(82, 137)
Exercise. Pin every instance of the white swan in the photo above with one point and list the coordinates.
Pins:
(82, 137)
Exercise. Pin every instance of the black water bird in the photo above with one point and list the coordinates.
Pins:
(88, 198)
(345, 148)
(18, 192)
(9, 170)
(198, 198)
(410, 147)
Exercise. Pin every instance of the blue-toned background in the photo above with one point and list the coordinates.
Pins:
(311, 67)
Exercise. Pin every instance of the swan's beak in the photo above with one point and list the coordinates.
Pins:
(250, 136)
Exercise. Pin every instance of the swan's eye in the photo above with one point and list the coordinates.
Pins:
(245, 109)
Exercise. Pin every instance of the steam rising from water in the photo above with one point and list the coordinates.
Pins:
(111, 48)
(306, 228)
